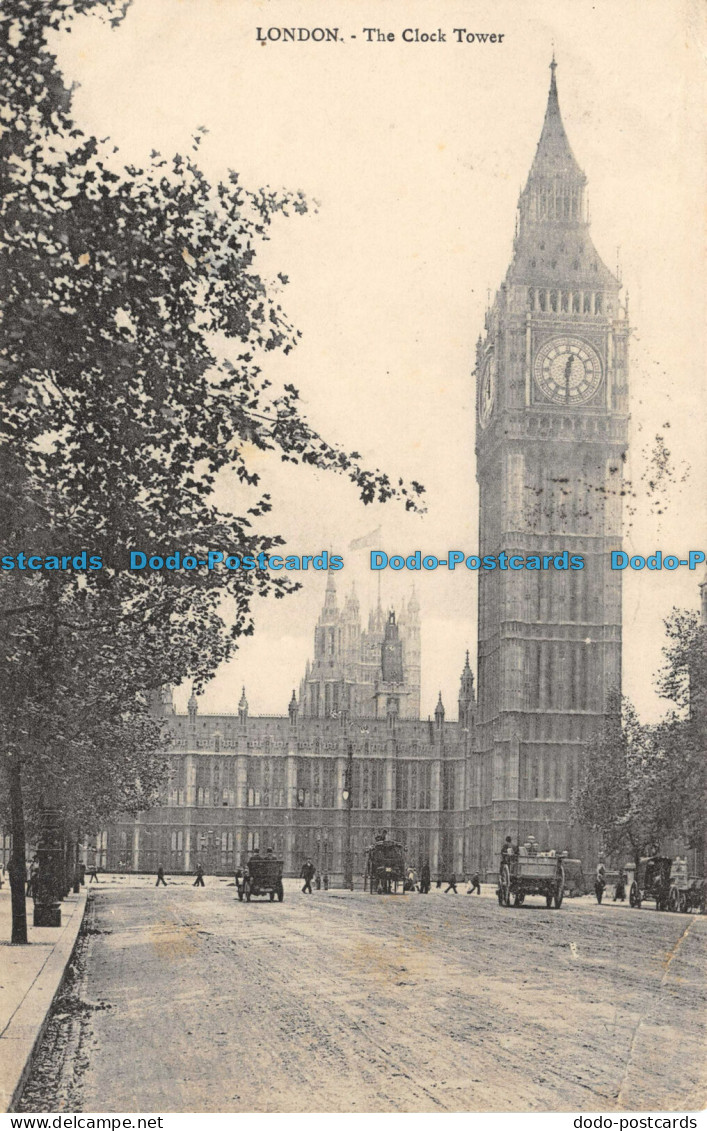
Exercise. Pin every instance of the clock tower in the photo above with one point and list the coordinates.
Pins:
(551, 377)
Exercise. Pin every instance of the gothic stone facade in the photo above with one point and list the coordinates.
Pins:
(551, 373)
(242, 782)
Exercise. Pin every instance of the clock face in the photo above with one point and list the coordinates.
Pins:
(487, 392)
(567, 371)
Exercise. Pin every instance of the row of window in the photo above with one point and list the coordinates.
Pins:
(320, 790)
(558, 202)
(567, 302)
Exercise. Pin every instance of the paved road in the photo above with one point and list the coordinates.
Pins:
(185, 1000)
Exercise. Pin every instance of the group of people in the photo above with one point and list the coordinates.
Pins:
(198, 882)
(424, 884)
(529, 847)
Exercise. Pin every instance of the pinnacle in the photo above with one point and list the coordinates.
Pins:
(554, 156)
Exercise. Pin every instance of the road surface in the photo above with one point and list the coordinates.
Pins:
(184, 1000)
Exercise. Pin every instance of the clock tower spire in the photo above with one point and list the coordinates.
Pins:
(551, 374)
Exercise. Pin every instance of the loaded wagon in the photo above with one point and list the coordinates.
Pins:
(385, 867)
(261, 876)
(523, 873)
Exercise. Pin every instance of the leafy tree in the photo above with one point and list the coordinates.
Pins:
(132, 346)
(642, 785)
(611, 797)
(683, 677)
(680, 741)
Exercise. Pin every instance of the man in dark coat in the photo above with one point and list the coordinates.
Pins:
(474, 884)
(620, 889)
(307, 874)
(425, 878)
(199, 881)
(160, 877)
(452, 885)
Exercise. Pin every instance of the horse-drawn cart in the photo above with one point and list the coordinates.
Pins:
(262, 876)
(687, 893)
(385, 867)
(522, 873)
(651, 880)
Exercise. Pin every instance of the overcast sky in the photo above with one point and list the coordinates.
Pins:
(416, 155)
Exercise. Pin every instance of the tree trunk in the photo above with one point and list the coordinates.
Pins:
(18, 862)
(77, 874)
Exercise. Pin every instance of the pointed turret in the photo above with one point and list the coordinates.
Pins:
(243, 708)
(467, 697)
(293, 709)
(467, 683)
(352, 608)
(192, 707)
(439, 711)
(330, 611)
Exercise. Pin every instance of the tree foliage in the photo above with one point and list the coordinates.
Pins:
(643, 785)
(133, 343)
(611, 796)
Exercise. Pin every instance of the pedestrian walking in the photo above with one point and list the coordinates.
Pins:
(317, 881)
(474, 884)
(325, 881)
(93, 875)
(307, 874)
(425, 878)
(452, 885)
(160, 877)
(600, 881)
(620, 889)
(33, 878)
(199, 881)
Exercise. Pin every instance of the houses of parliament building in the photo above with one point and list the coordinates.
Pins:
(552, 414)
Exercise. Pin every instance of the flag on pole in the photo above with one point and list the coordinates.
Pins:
(367, 540)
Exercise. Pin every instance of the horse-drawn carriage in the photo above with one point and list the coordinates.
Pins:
(385, 866)
(651, 880)
(524, 873)
(261, 876)
(687, 893)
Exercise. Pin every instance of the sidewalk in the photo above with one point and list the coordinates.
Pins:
(30, 977)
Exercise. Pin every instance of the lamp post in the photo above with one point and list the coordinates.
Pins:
(348, 800)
